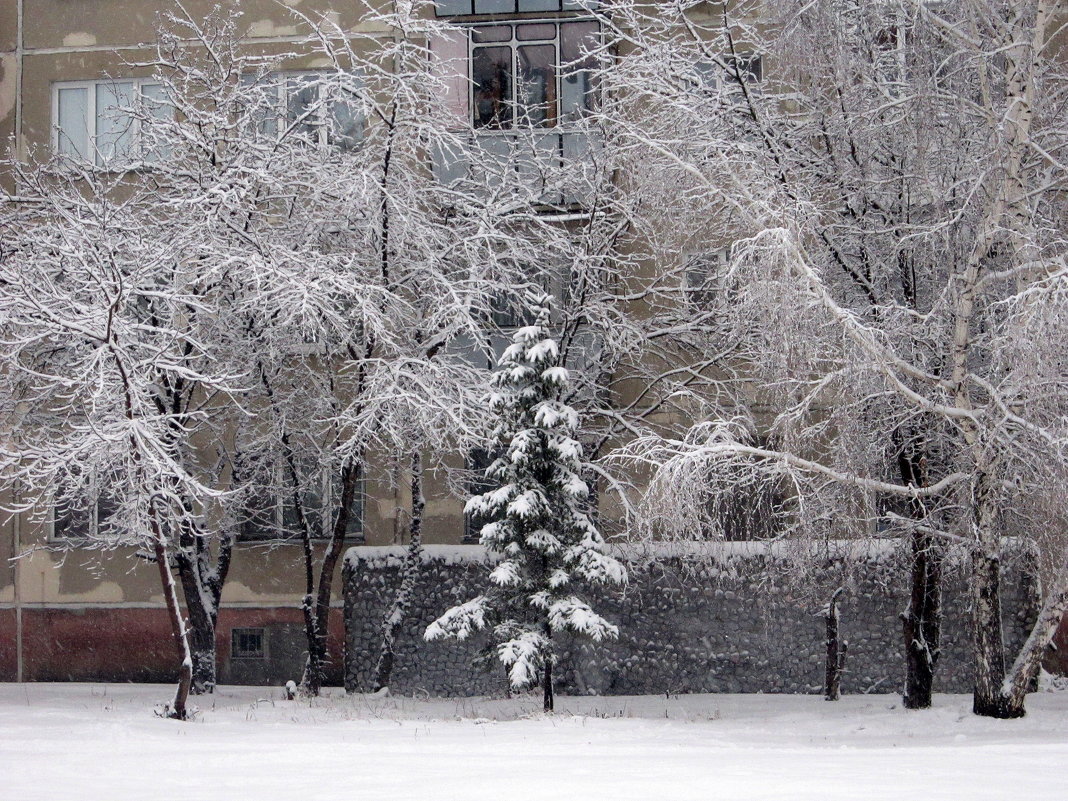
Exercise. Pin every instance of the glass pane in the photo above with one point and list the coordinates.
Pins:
(347, 124)
(302, 100)
(578, 91)
(114, 127)
(106, 508)
(447, 7)
(526, 33)
(539, 5)
(491, 74)
(72, 522)
(496, 33)
(260, 94)
(580, 5)
(154, 144)
(72, 138)
(494, 6)
(450, 63)
(261, 515)
(536, 95)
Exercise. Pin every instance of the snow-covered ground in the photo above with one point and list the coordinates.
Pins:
(90, 741)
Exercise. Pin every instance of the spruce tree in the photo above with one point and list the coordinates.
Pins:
(536, 518)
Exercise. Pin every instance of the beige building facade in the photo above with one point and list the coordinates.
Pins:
(75, 613)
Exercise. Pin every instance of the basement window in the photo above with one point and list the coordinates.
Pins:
(248, 644)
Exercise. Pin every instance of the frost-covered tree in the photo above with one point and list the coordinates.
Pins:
(536, 518)
(893, 194)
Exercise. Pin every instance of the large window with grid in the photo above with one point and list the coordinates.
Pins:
(457, 8)
(272, 515)
(93, 121)
(319, 108)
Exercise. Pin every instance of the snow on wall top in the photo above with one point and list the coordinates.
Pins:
(714, 552)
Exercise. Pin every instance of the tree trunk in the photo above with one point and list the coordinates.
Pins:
(922, 621)
(836, 651)
(989, 657)
(318, 616)
(547, 676)
(547, 687)
(1025, 667)
(201, 624)
(177, 708)
(202, 585)
(412, 566)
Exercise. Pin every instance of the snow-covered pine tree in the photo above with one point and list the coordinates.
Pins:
(535, 517)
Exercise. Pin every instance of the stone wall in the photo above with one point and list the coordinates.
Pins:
(738, 617)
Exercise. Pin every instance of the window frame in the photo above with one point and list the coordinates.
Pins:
(243, 655)
(277, 532)
(514, 44)
(710, 265)
(562, 6)
(278, 84)
(93, 158)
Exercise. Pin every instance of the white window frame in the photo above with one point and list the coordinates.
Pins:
(713, 75)
(244, 656)
(277, 84)
(514, 44)
(280, 501)
(93, 157)
(708, 266)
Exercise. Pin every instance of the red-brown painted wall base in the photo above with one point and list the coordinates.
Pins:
(1056, 660)
(126, 644)
(8, 657)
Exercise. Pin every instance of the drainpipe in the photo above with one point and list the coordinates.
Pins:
(16, 525)
(19, 58)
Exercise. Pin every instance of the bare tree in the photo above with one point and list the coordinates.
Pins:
(893, 192)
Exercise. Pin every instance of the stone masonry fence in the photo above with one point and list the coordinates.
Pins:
(731, 617)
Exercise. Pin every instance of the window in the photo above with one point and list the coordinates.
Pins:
(73, 523)
(317, 108)
(704, 277)
(524, 88)
(723, 76)
(271, 514)
(248, 644)
(478, 461)
(531, 74)
(83, 508)
(446, 8)
(93, 121)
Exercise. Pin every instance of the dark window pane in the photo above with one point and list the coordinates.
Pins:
(354, 524)
(537, 85)
(247, 644)
(346, 123)
(71, 523)
(478, 460)
(495, 33)
(494, 6)
(526, 33)
(106, 507)
(491, 73)
(539, 5)
(447, 7)
(578, 42)
(261, 517)
(302, 101)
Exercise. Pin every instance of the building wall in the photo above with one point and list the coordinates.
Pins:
(739, 620)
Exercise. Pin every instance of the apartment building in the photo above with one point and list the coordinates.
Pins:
(69, 612)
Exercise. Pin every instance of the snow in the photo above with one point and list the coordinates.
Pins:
(101, 743)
